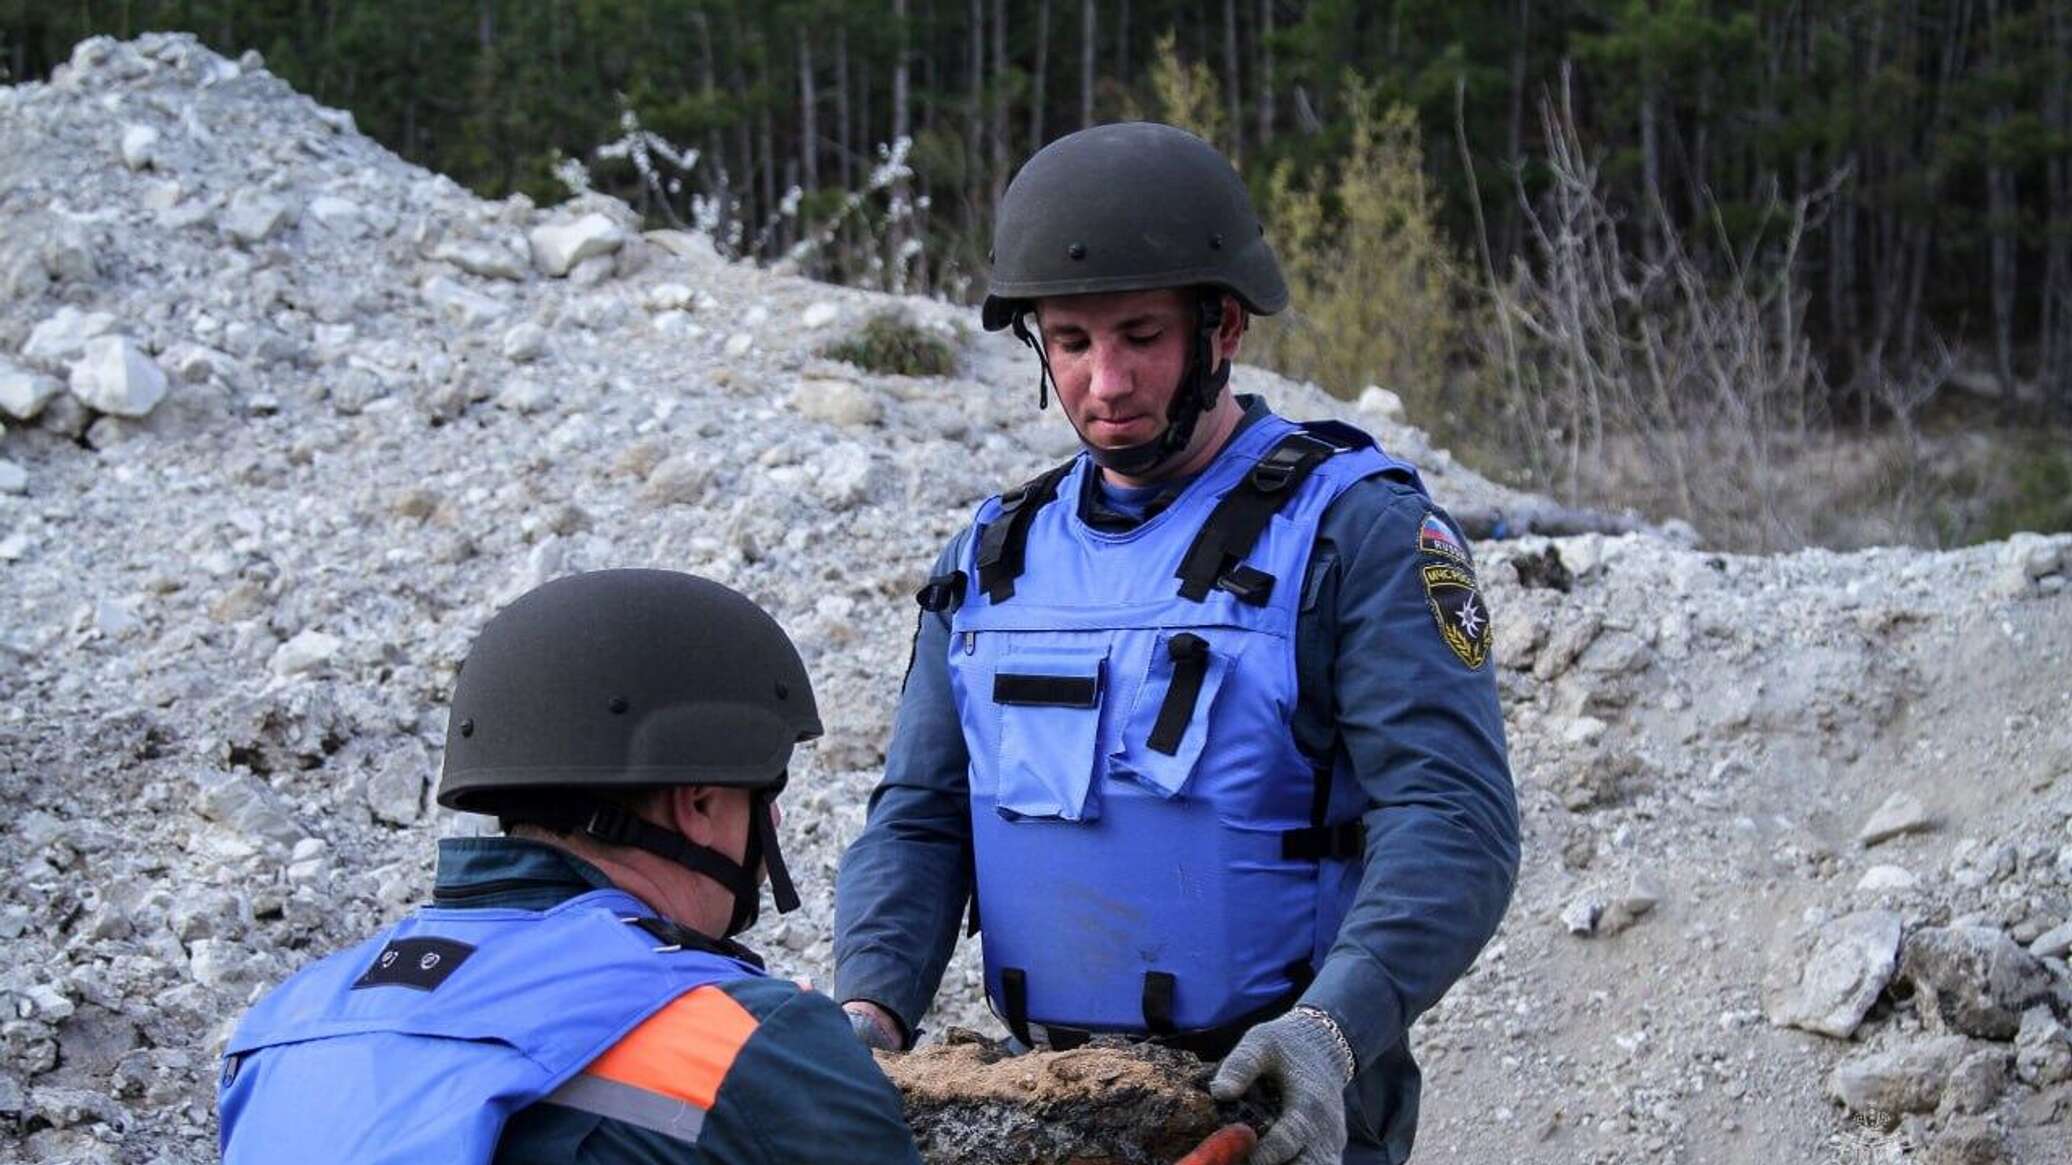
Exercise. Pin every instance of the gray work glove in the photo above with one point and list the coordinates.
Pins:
(1310, 1059)
(872, 1025)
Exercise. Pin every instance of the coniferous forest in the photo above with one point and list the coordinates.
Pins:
(1876, 194)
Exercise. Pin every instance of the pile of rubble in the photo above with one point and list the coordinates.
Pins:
(287, 419)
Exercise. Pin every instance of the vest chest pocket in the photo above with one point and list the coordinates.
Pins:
(1168, 723)
(1049, 700)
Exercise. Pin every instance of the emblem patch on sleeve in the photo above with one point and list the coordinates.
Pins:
(1457, 604)
(1451, 591)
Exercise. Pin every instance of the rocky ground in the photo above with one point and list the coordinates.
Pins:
(287, 419)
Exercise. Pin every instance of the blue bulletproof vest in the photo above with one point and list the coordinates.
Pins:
(418, 1044)
(1154, 853)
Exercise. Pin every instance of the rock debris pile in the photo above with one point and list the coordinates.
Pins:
(1108, 1103)
(286, 419)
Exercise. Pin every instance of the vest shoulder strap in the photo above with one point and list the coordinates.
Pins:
(1001, 542)
(1216, 559)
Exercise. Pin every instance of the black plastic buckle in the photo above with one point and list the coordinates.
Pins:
(944, 592)
(1272, 475)
(1182, 648)
(1278, 468)
(609, 823)
(1251, 585)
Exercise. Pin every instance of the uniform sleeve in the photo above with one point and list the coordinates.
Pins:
(803, 1089)
(902, 888)
(1423, 732)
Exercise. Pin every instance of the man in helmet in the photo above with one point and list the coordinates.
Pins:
(573, 991)
(1200, 725)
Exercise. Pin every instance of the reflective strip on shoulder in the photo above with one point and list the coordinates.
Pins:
(683, 1051)
(635, 1106)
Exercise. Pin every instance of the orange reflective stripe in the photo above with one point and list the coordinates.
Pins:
(683, 1050)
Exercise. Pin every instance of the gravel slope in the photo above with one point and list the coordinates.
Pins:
(230, 624)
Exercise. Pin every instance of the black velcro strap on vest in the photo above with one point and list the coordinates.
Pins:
(1064, 1039)
(1001, 542)
(1190, 666)
(1216, 559)
(1158, 1002)
(1046, 691)
(1014, 1000)
(943, 593)
(1215, 1043)
(1320, 842)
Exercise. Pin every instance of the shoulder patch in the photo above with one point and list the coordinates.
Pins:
(420, 963)
(1456, 604)
(1436, 537)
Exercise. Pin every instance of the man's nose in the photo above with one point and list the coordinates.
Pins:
(1112, 376)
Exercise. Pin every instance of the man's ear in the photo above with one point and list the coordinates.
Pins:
(690, 809)
(1230, 330)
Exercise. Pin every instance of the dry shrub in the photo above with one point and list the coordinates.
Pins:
(1644, 375)
(1186, 93)
(1374, 286)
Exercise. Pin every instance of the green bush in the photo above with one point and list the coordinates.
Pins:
(2038, 493)
(891, 343)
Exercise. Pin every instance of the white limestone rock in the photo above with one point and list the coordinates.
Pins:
(1640, 897)
(65, 416)
(693, 246)
(525, 395)
(1829, 988)
(677, 481)
(524, 342)
(1901, 813)
(1883, 1085)
(254, 217)
(1381, 402)
(56, 342)
(1972, 979)
(1580, 916)
(2042, 1049)
(558, 247)
(1583, 731)
(2054, 943)
(469, 309)
(225, 966)
(114, 376)
(668, 297)
(677, 323)
(245, 804)
(13, 478)
(592, 271)
(395, 789)
(70, 255)
(488, 260)
(819, 315)
(139, 146)
(23, 393)
(847, 476)
(306, 652)
(838, 402)
(1886, 880)
(340, 216)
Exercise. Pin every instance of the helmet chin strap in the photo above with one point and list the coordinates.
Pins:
(1196, 394)
(612, 824)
